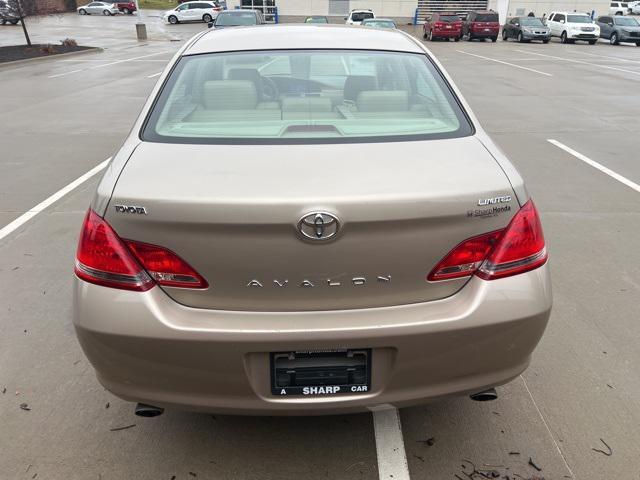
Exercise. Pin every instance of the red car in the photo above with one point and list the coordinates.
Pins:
(125, 7)
(481, 25)
(443, 25)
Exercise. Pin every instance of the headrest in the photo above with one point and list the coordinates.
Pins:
(306, 104)
(230, 95)
(383, 101)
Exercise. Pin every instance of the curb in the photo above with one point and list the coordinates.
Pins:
(50, 57)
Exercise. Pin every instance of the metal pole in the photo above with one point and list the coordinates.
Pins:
(141, 28)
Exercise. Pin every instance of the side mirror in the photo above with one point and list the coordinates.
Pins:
(610, 24)
(210, 24)
(517, 24)
(561, 21)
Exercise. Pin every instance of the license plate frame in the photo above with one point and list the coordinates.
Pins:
(320, 373)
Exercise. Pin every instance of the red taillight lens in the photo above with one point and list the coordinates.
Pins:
(103, 259)
(517, 249)
(465, 259)
(520, 249)
(166, 267)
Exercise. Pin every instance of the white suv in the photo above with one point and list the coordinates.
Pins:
(572, 26)
(619, 8)
(357, 16)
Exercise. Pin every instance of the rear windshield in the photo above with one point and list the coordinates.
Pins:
(578, 19)
(379, 23)
(486, 17)
(359, 16)
(304, 96)
(531, 22)
(449, 18)
(236, 19)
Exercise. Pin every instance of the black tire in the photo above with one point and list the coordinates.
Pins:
(545, 41)
(619, 13)
(14, 22)
(126, 11)
(563, 38)
(593, 42)
(457, 39)
(106, 13)
(520, 38)
(206, 18)
(82, 11)
(424, 34)
(173, 19)
(504, 35)
(494, 39)
(613, 39)
(637, 44)
(469, 37)
(431, 37)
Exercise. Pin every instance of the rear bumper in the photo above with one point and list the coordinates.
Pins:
(447, 33)
(482, 34)
(147, 348)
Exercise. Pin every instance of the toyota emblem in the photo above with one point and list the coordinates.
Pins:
(319, 226)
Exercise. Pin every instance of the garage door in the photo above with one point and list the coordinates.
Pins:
(461, 7)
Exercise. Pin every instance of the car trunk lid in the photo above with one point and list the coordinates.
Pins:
(232, 212)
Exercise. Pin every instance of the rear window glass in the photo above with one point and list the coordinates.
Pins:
(449, 18)
(486, 17)
(304, 96)
(359, 16)
(235, 19)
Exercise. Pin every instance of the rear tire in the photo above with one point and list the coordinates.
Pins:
(106, 13)
(520, 38)
(206, 18)
(504, 35)
(126, 11)
(431, 38)
(563, 38)
(173, 19)
(457, 39)
(613, 40)
(637, 44)
(494, 39)
(14, 22)
(82, 11)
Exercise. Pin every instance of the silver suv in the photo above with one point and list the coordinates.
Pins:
(317, 226)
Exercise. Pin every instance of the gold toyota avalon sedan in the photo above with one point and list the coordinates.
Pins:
(308, 220)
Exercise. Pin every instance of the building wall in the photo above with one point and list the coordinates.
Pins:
(539, 7)
(54, 6)
(403, 10)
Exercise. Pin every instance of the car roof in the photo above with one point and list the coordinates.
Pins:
(302, 36)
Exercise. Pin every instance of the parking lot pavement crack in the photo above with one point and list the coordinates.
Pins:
(546, 425)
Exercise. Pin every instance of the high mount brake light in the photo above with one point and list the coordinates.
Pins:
(105, 259)
(517, 249)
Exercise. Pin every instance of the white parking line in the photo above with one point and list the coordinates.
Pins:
(595, 164)
(154, 75)
(25, 217)
(581, 62)
(106, 64)
(607, 56)
(392, 458)
(506, 63)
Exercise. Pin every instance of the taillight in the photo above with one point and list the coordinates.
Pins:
(166, 267)
(438, 25)
(102, 258)
(105, 259)
(517, 249)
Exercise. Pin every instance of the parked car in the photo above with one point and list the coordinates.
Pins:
(619, 29)
(213, 274)
(481, 25)
(7, 14)
(316, 19)
(98, 8)
(125, 7)
(570, 27)
(379, 23)
(357, 16)
(193, 12)
(238, 18)
(525, 29)
(634, 7)
(619, 8)
(444, 25)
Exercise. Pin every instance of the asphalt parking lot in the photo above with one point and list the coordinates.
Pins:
(60, 118)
